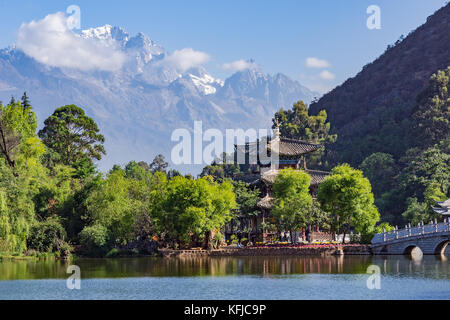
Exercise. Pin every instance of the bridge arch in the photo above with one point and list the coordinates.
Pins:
(384, 250)
(440, 248)
(413, 250)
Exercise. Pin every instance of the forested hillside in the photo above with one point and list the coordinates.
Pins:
(371, 112)
(392, 121)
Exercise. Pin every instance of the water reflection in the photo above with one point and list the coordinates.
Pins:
(428, 266)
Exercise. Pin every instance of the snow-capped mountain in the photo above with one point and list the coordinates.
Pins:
(138, 107)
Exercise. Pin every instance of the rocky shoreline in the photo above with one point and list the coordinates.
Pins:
(271, 251)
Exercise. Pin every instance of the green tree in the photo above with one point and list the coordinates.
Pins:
(246, 199)
(26, 101)
(432, 114)
(95, 239)
(144, 165)
(215, 171)
(292, 200)
(17, 127)
(223, 167)
(135, 171)
(16, 210)
(20, 174)
(381, 169)
(159, 164)
(115, 204)
(72, 135)
(47, 236)
(172, 173)
(421, 169)
(417, 212)
(298, 124)
(347, 196)
(186, 209)
(73, 211)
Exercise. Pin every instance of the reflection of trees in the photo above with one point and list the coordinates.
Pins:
(268, 266)
(32, 269)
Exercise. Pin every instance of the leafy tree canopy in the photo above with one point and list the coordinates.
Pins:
(72, 135)
(18, 132)
(184, 208)
(159, 164)
(432, 114)
(292, 201)
(298, 124)
(347, 196)
(380, 168)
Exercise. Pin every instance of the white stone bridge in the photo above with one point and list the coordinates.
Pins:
(431, 239)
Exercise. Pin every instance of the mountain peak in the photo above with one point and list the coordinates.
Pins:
(106, 32)
(148, 97)
(141, 40)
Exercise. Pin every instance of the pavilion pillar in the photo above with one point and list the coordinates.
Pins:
(263, 229)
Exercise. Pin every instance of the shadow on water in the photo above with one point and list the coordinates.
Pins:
(428, 267)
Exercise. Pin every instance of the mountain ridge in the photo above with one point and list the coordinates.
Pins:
(139, 106)
(381, 97)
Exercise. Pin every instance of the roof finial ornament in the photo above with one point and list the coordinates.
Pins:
(277, 128)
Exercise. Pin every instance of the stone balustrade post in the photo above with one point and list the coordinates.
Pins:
(409, 229)
(435, 225)
(384, 235)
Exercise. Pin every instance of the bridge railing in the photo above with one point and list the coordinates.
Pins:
(408, 231)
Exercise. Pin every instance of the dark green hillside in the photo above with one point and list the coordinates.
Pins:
(372, 111)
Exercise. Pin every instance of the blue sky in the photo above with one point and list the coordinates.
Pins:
(278, 35)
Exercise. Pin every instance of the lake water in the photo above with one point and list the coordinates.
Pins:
(230, 278)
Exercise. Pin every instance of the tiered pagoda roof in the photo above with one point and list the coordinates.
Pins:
(293, 147)
(443, 207)
(250, 178)
(289, 152)
(317, 177)
(283, 146)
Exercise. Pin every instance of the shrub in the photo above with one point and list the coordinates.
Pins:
(95, 239)
(217, 240)
(366, 237)
(65, 250)
(114, 252)
(47, 236)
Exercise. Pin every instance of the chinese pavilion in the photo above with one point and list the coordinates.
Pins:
(284, 153)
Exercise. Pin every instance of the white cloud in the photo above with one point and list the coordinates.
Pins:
(51, 42)
(186, 59)
(327, 75)
(317, 83)
(239, 65)
(313, 62)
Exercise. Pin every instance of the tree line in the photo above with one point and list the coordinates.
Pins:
(54, 200)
